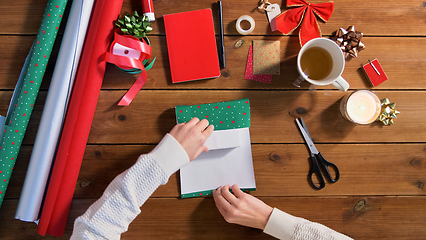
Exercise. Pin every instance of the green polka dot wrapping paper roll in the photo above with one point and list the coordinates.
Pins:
(222, 115)
(26, 92)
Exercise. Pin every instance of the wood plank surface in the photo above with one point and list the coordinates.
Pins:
(382, 18)
(280, 170)
(151, 115)
(380, 194)
(404, 71)
(361, 217)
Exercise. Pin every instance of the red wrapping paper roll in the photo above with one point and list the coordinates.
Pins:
(79, 118)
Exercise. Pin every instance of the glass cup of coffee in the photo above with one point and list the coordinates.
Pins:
(321, 62)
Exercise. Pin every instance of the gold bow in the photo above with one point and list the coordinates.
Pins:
(388, 113)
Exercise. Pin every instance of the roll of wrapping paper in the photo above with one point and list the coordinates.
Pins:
(2, 120)
(79, 118)
(26, 90)
(54, 111)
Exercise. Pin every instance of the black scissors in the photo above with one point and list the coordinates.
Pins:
(316, 158)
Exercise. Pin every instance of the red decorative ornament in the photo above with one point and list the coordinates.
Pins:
(304, 15)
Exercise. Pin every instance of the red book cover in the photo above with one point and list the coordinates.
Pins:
(191, 45)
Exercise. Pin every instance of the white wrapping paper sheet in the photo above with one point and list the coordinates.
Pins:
(54, 111)
(222, 139)
(226, 166)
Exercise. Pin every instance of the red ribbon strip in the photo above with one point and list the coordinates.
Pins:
(304, 15)
(130, 63)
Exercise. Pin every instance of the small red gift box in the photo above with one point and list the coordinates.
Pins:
(375, 72)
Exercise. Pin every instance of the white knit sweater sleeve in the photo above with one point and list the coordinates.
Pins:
(119, 205)
(285, 226)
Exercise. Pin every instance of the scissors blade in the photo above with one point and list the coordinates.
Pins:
(304, 126)
(307, 138)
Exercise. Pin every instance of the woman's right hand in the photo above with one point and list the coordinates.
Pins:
(192, 136)
(241, 208)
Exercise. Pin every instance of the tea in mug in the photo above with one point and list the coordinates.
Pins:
(316, 63)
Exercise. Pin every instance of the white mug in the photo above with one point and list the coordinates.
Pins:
(338, 64)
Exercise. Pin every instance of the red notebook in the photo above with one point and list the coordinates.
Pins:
(191, 45)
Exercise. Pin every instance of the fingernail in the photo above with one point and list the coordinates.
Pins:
(211, 126)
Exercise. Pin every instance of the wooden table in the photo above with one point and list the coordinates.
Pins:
(380, 194)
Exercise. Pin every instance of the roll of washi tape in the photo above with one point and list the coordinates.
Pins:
(248, 19)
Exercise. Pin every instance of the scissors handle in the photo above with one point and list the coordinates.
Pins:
(326, 165)
(315, 170)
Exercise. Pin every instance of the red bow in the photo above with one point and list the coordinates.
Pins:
(304, 16)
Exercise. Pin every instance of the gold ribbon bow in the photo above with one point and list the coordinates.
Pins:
(388, 113)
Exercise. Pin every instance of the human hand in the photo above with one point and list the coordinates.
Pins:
(241, 208)
(192, 136)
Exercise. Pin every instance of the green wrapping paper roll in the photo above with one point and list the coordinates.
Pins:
(20, 110)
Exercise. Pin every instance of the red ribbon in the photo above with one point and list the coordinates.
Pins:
(130, 63)
(304, 16)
